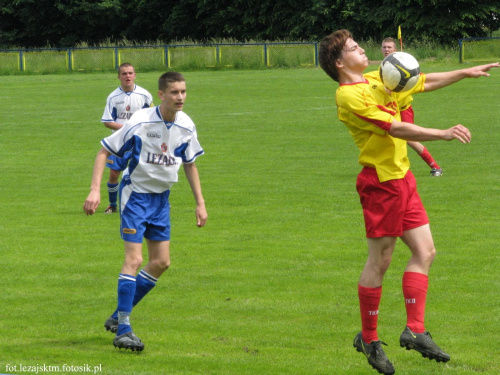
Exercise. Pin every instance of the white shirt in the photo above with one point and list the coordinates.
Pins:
(121, 105)
(158, 148)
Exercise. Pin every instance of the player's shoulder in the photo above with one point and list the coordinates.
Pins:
(373, 76)
(183, 121)
(146, 115)
(116, 92)
(142, 91)
(348, 92)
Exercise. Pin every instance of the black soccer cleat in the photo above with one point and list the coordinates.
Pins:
(436, 172)
(111, 324)
(128, 341)
(375, 355)
(111, 209)
(422, 343)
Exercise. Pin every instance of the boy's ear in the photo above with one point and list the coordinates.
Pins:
(338, 63)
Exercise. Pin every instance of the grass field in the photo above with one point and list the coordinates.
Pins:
(268, 287)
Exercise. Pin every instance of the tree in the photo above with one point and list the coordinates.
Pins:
(64, 23)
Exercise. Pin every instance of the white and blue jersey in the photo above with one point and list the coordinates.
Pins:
(158, 148)
(120, 106)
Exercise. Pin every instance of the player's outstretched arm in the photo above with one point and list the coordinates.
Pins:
(434, 81)
(412, 132)
(94, 197)
(193, 177)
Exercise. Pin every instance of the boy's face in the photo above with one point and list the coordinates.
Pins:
(353, 57)
(174, 96)
(388, 48)
(127, 78)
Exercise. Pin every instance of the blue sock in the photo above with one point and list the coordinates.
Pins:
(144, 283)
(126, 291)
(113, 193)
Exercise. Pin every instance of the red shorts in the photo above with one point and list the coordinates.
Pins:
(389, 207)
(407, 115)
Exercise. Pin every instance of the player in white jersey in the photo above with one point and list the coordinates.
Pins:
(159, 139)
(120, 106)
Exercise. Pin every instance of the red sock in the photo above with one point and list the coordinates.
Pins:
(427, 157)
(415, 292)
(369, 300)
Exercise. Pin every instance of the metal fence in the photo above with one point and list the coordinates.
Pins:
(152, 58)
(479, 49)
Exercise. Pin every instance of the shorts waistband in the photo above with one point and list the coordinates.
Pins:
(369, 171)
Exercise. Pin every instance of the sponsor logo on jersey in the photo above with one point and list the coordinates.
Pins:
(154, 135)
(125, 115)
(160, 159)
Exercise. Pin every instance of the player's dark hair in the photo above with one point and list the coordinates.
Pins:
(124, 65)
(330, 50)
(168, 78)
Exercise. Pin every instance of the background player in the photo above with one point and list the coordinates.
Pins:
(161, 139)
(120, 105)
(391, 205)
(407, 115)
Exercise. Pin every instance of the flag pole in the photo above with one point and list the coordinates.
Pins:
(400, 38)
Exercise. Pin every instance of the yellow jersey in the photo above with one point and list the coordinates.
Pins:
(367, 109)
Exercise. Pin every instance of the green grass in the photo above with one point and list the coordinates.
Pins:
(269, 285)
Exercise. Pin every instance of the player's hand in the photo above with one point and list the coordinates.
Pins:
(459, 132)
(201, 215)
(481, 70)
(91, 203)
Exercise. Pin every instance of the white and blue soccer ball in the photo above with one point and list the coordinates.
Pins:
(399, 71)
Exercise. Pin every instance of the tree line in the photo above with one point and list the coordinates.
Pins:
(67, 23)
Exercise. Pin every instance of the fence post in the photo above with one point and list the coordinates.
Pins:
(21, 65)
(460, 51)
(316, 54)
(116, 59)
(68, 56)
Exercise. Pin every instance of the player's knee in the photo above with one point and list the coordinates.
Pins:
(114, 176)
(165, 265)
(133, 262)
(430, 254)
(425, 256)
(161, 264)
(385, 263)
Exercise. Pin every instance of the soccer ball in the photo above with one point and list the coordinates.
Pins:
(399, 71)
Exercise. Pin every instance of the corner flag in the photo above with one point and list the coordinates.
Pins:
(400, 37)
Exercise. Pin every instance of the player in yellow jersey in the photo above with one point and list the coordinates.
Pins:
(391, 205)
(407, 115)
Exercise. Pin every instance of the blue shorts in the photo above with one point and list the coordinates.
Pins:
(116, 163)
(144, 215)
